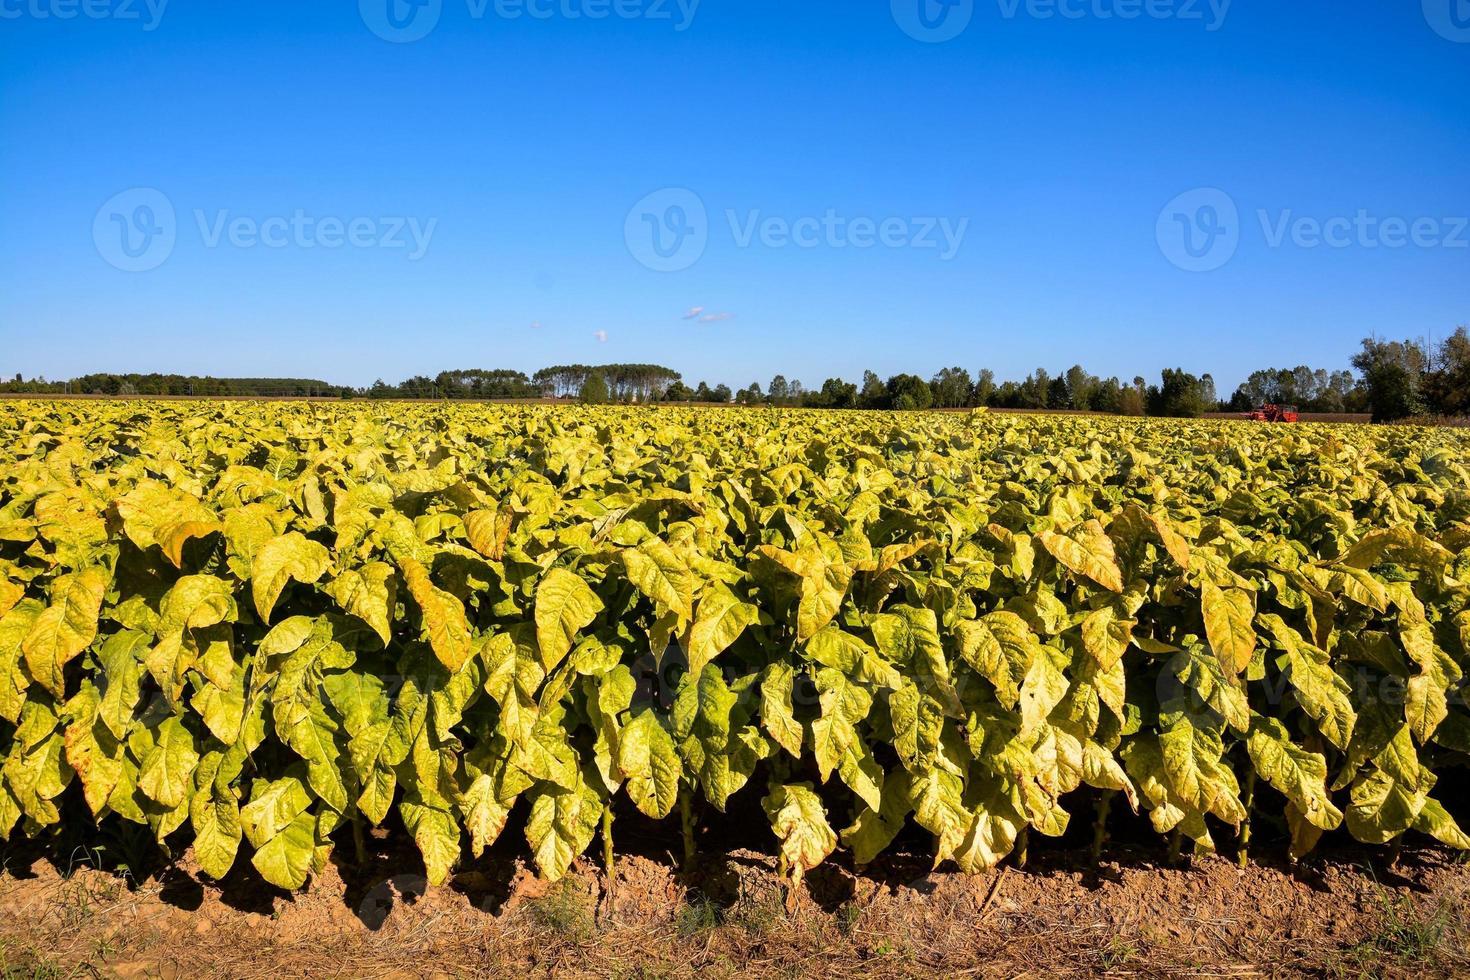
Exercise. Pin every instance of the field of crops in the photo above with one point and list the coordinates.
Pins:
(258, 629)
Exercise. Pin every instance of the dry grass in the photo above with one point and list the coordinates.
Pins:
(1127, 920)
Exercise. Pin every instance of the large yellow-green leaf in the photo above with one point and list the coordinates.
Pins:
(1106, 637)
(66, 628)
(445, 623)
(649, 763)
(215, 817)
(564, 605)
(1229, 615)
(369, 593)
(874, 830)
(437, 835)
(1299, 775)
(718, 623)
(661, 575)
(279, 561)
(777, 713)
(561, 826)
(1090, 555)
(167, 773)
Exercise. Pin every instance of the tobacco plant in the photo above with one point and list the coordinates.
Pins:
(255, 629)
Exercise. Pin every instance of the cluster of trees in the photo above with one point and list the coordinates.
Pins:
(1410, 378)
(624, 382)
(154, 385)
(1178, 394)
(1310, 390)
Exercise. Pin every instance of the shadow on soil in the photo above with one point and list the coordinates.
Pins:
(390, 871)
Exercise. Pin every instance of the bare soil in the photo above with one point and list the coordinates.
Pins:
(1338, 916)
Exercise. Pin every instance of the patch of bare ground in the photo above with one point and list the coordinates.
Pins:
(1335, 917)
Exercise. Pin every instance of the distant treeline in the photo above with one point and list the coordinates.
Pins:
(153, 385)
(625, 382)
(1394, 380)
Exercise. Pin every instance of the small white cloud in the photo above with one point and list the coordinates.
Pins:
(693, 314)
(601, 336)
(536, 325)
(717, 318)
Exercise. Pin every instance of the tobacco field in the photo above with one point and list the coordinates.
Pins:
(261, 630)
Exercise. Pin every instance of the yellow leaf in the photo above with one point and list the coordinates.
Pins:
(444, 619)
(66, 628)
(1229, 617)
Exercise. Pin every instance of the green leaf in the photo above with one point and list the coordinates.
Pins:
(651, 766)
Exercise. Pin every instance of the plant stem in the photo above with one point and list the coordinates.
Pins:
(358, 843)
(1176, 846)
(686, 818)
(1100, 827)
(1245, 827)
(609, 864)
(1023, 845)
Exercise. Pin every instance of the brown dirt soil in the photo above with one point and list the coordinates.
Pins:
(1330, 918)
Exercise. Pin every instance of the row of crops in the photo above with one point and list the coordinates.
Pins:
(256, 629)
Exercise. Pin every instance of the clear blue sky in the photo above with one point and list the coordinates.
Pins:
(527, 141)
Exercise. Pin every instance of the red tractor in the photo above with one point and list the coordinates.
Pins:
(1275, 413)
